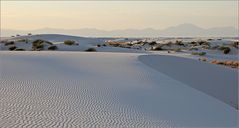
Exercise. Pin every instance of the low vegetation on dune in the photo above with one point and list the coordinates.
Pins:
(69, 42)
(12, 48)
(230, 63)
(9, 43)
(90, 50)
(225, 49)
(38, 45)
(199, 53)
(53, 47)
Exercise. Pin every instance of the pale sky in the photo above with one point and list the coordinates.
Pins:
(110, 15)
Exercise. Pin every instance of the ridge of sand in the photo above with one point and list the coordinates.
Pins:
(77, 89)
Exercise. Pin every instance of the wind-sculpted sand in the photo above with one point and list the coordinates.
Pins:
(76, 89)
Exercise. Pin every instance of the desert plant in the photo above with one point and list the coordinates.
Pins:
(12, 48)
(53, 47)
(157, 48)
(90, 50)
(199, 53)
(104, 44)
(69, 42)
(179, 42)
(98, 45)
(29, 34)
(9, 43)
(225, 50)
(152, 43)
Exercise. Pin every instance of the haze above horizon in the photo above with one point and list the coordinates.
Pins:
(111, 15)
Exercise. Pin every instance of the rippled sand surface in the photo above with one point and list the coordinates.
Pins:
(76, 89)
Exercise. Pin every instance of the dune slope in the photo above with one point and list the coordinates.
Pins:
(76, 89)
(217, 81)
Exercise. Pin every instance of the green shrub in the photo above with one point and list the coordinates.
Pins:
(53, 47)
(12, 48)
(90, 50)
(199, 53)
(69, 42)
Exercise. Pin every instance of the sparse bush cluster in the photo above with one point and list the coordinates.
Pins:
(38, 45)
(230, 63)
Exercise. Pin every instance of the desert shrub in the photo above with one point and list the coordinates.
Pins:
(9, 43)
(104, 44)
(12, 48)
(210, 39)
(69, 42)
(235, 44)
(17, 35)
(225, 50)
(152, 43)
(39, 44)
(179, 42)
(29, 34)
(90, 50)
(98, 45)
(19, 49)
(202, 42)
(157, 48)
(53, 47)
(199, 53)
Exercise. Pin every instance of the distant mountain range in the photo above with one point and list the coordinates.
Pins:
(182, 30)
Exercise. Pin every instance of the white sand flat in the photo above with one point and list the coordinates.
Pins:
(78, 89)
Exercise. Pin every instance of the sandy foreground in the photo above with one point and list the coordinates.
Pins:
(79, 89)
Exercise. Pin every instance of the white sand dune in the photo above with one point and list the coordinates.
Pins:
(77, 89)
(221, 83)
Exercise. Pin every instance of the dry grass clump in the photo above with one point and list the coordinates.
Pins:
(69, 42)
(116, 44)
(199, 53)
(230, 63)
(90, 50)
